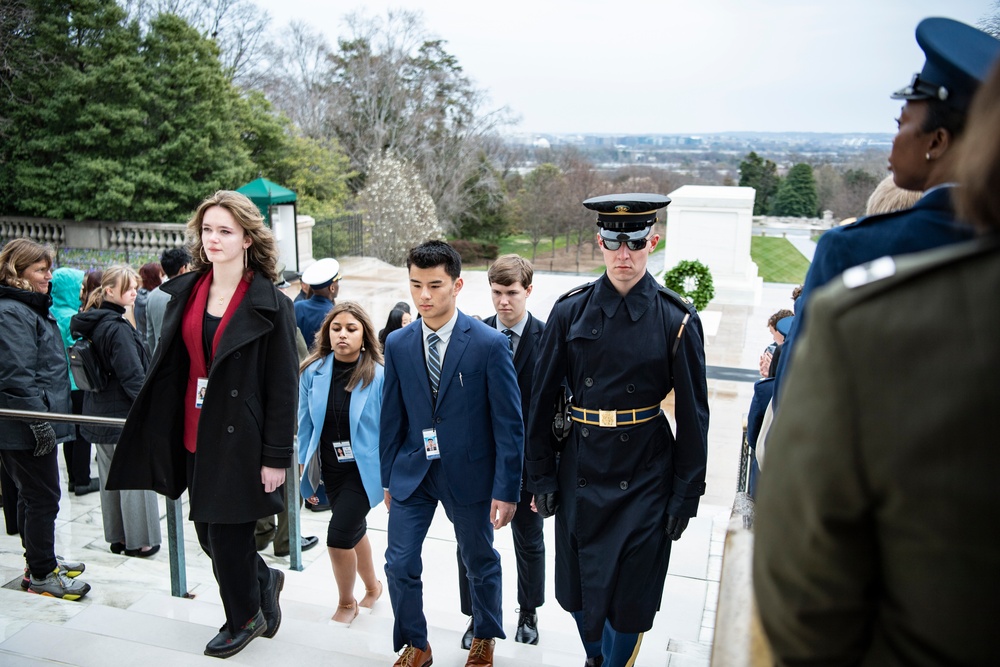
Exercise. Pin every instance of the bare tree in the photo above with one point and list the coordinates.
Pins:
(238, 28)
(991, 21)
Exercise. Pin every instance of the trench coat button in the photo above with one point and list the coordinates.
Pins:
(630, 388)
(581, 482)
(593, 331)
(230, 429)
(236, 355)
(234, 393)
(585, 431)
(589, 382)
(437, 421)
(623, 437)
(623, 485)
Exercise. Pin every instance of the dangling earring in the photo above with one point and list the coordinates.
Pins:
(246, 258)
(362, 348)
(202, 255)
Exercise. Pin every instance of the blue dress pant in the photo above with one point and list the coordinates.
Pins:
(409, 521)
(620, 649)
(529, 554)
(36, 479)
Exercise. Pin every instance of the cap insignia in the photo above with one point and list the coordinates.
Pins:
(621, 208)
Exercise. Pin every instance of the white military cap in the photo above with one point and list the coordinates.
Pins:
(321, 273)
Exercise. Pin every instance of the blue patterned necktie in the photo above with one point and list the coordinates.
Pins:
(433, 361)
(510, 340)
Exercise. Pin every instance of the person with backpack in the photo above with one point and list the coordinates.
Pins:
(131, 518)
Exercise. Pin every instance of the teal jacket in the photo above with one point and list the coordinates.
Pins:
(66, 283)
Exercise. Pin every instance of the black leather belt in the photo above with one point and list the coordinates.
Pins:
(613, 418)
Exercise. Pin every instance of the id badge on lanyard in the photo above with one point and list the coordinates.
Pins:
(199, 396)
(344, 452)
(431, 444)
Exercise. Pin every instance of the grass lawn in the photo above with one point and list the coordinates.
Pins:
(777, 260)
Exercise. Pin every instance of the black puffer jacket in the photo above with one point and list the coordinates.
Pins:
(33, 372)
(122, 353)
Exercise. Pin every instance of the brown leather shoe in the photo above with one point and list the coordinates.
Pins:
(481, 653)
(415, 657)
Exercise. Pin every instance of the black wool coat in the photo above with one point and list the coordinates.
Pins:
(247, 419)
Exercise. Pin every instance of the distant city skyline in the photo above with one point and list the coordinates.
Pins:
(673, 66)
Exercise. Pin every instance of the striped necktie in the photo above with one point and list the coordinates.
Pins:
(433, 361)
(510, 340)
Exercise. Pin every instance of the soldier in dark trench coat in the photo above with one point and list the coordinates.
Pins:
(624, 486)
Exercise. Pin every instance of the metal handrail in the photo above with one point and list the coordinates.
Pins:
(175, 516)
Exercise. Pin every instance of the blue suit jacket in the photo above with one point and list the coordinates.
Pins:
(477, 414)
(930, 223)
(366, 406)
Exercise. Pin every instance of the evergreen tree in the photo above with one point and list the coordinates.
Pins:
(796, 196)
(762, 176)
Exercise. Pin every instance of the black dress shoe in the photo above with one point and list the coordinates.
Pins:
(527, 628)
(596, 661)
(269, 602)
(226, 644)
(306, 543)
(325, 507)
(94, 485)
(467, 637)
(139, 553)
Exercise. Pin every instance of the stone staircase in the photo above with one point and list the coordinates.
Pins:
(129, 618)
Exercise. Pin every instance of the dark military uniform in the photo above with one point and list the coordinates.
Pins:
(616, 485)
(877, 512)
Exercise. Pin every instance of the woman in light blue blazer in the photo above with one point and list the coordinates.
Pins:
(340, 401)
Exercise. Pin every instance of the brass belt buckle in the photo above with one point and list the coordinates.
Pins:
(607, 418)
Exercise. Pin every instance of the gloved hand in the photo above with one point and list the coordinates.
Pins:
(45, 437)
(675, 527)
(546, 504)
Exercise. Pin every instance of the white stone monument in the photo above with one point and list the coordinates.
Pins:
(713, 225)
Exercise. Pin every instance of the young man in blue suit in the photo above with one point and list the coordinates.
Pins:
(510, 286)
(451, 432)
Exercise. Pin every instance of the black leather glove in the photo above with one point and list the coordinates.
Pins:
(546, 504)
(675, 527)
(45, 437)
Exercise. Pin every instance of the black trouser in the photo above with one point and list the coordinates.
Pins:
(240, 572)
(36, 479)
(77, 452)
(529, 551)
(10, 498)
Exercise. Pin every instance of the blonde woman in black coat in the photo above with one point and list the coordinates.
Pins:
(131, 518)
(216, 415)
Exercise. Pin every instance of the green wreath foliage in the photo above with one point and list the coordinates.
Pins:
(691, 279)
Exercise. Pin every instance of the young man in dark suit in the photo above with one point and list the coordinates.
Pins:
(510, 286)
(451, 432)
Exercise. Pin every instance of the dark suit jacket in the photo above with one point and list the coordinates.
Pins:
(524, 358)
(477, 414)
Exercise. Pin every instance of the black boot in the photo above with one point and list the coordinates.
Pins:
(527, 628)
(269, 602)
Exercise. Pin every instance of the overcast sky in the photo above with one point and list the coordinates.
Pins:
(674, 66)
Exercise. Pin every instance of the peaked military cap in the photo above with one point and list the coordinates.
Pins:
(321, 273)
(958, 59)
(628, 216)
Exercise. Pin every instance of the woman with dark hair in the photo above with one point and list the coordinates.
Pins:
(34, 376)
(131, 518)
(398, 318)
(340, 402)
(884, 456)
(151, 276)
(226, 353)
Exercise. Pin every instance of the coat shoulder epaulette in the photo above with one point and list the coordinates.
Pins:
(579, 289)
(676, 298)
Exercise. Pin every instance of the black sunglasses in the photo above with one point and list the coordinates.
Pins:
(613, 245)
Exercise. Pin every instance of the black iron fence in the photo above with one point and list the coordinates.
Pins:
(340, 236)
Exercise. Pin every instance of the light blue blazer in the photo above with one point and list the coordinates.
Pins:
(366, 407)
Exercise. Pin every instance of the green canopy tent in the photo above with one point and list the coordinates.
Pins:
(277, 205)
